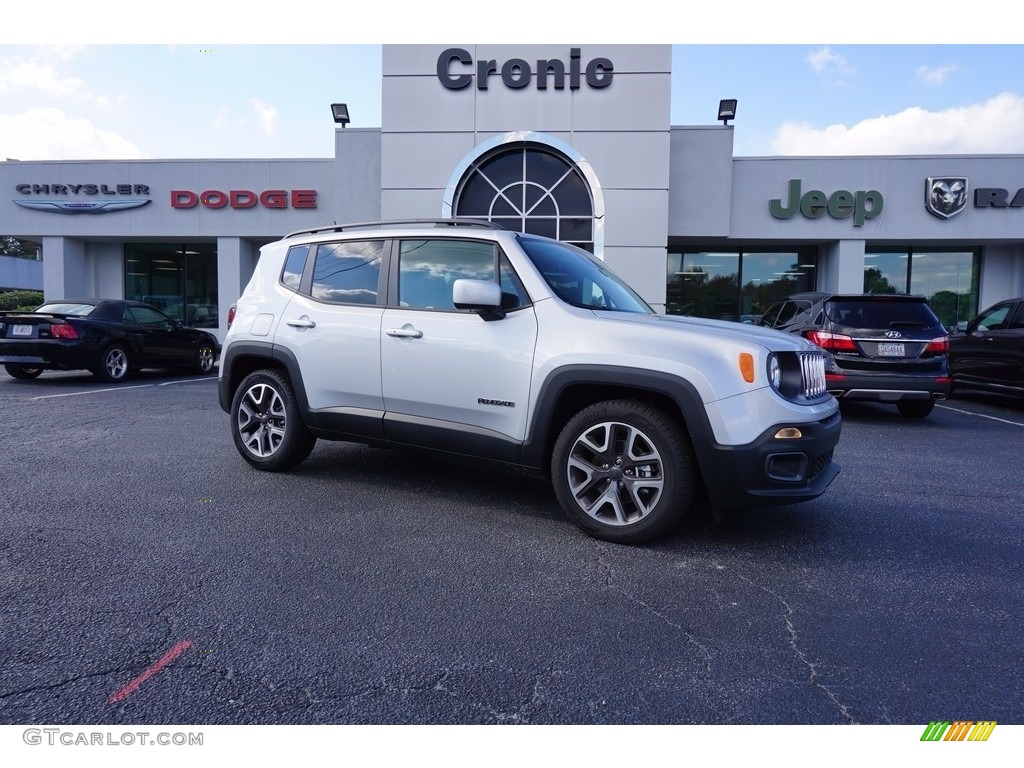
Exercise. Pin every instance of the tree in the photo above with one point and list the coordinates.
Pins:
(22, 249)
(876, 282)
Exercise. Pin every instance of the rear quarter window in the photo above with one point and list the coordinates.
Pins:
(79, 310)
(291, 275)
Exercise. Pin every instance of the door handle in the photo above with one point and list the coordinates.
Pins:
(302, 322)
(405, 332)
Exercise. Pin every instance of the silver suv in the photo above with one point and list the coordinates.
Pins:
(463, 337)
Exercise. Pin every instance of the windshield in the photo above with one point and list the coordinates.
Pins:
(578, 278)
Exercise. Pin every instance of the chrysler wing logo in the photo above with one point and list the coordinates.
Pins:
(945, 196)
(59, 206)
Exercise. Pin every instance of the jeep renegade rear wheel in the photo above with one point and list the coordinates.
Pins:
(623, 471)
(266, 426)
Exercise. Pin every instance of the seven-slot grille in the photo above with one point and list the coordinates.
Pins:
(812, 369)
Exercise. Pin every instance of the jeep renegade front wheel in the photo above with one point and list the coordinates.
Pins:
(623, 471)
(265, 422)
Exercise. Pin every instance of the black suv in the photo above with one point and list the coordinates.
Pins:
(885, 347)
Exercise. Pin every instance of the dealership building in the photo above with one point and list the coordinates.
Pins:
(570, 141)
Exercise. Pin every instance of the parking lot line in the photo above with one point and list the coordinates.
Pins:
(188, 381)
(982, 415)
(166, 659)
(91, 392)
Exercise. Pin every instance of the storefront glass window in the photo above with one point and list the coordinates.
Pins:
(736, 285)
(948, 279)
(885, 272)
(21, 249)
(180, 280)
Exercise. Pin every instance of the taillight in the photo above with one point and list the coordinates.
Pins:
(832, 342)
(939, 346)
(63, 331)
(231, 315)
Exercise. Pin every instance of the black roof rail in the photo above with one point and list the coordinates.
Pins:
(481, 223)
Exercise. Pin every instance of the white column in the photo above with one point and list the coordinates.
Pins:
(236, 260)
(64, 273)
(841, 268)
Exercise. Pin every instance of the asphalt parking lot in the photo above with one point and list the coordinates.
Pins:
(380, 586)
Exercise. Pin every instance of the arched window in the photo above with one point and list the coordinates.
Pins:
(529, 188)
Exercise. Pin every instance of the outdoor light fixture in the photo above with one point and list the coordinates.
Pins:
(340, 113)
(727, 110)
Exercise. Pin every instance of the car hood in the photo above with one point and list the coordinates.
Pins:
(767, 337)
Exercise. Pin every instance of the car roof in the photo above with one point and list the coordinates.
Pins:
(400, 225)
(823, 296)
(97, 302)
(877, 297)
(104, 309)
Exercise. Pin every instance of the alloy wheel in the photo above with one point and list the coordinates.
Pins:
(116, 363)
(615, 474)
(262, 420)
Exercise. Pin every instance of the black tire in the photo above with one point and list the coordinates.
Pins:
(24, 372)
(915, 409)
(114, 364)
(265, 423)
(624, 471)
(206, 356)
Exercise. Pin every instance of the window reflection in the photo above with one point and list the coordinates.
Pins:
(948, 279)
(736, 286)
(180, 280)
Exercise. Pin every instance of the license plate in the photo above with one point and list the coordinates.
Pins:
(21, 330)
(891, 350)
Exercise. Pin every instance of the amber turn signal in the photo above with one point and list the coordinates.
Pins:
(747, 367)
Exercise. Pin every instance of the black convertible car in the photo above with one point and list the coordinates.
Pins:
(109, 337)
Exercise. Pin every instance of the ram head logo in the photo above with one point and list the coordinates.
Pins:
(945, 197)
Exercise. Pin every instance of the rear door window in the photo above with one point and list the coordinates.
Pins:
(347, 272)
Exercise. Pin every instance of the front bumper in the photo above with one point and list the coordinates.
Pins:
(773, 470)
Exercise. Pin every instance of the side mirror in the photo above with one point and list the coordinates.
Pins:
(962, 326)
(482, 296)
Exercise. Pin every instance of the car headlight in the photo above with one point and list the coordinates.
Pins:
(774, 372)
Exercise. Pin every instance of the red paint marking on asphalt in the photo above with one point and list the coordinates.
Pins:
(166, 659)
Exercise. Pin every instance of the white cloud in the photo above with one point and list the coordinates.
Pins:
(61, 52)
(18, 72)
(994, 127)
(935, 75)
(826, 61)
(267, 116)
(819, 60)
(46, 133)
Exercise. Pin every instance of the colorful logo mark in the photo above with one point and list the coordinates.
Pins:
(958, 730)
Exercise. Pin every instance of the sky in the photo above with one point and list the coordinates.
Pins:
(75, 84)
